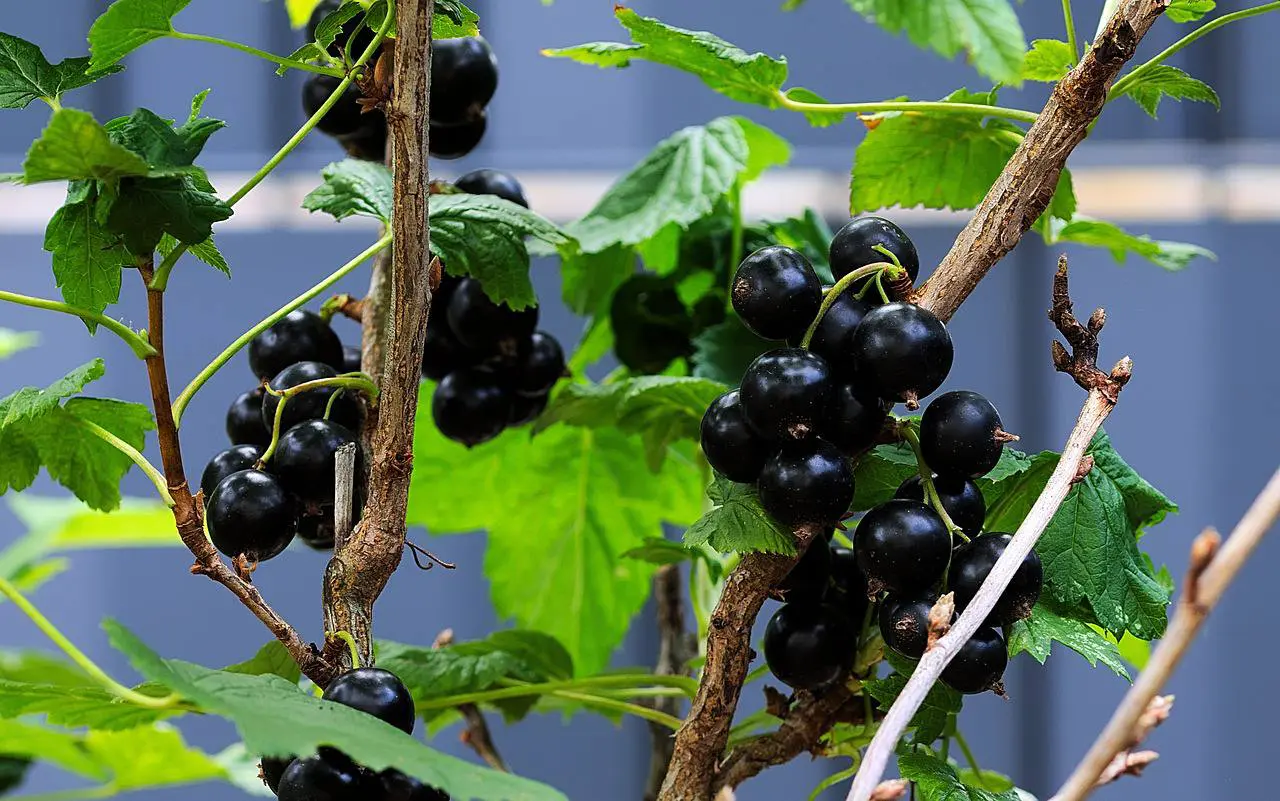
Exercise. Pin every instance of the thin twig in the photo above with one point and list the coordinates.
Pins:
(676, 646)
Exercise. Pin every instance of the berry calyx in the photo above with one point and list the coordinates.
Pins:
(853, 423)
(345, 117)
(776, 292)
(971, 564)
(731, 447)
(904, 624)
(903, 547)
(786, 393)
(979, 664)
(901, 352)
(960, 497)
(251, 513)
(483, 325)
(305, 457)
(961, 434)
(455, 141)
(376, 692)
(808, 580)
(493, 182)
(540, 367)
(244, 420)
(832, 339)
(232, 460)
(300, 336)
(464, 76)
(854, 244)
(319, 778)
(807, 482)
(809, 646)
(471, 406)
(310, 405)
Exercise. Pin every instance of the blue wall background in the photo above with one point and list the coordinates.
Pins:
(1195, 420)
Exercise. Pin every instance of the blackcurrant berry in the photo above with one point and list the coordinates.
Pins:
(809, 646)
(853, 247)
(251, 513)
(833, 338)
(493, 182)
(471, 406)
(776, 292)
(311, 405)
(300, 336)
(540, 367)
(526, 408)
(979, 664)
(442, 353)
(369, 142)
(651, 326)
(903, 546)
(318, 778)
(808, 580)
(376, 692)
(464, 76)
(396, 786)
(272, 768)
(786, 393)
(305, 457)
(904, 624)
(244, 420)
(971, 564)
(232, 460)
(455, 141)
(850, 584)
(960, 434)
(807, 482)
(351, 357)
(900, 352)
(960, 497)
(853, 424)
(729, 444)
(363, 39)
(317, 530)
(483, 325)
(345, 117)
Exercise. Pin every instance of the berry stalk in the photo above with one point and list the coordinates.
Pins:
(910, 436)
(156, 477)
(829, 299)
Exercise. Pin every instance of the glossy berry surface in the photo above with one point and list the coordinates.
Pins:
(232, 460)
(316, 531)
(958, 434)
(345, 117)
(806, 482)
(960, 497)
(972, 563)
(903, 546)
(300, 336)
(376, 692)
(853, 246)
(730, 445)
(273, 769)
(351, 357)
(310, 405)
(251, 513)
(540, 367)
(651, 326)
(305, 458)
(776, 292)
(471, 406)
(318, 778)
(833, 337)
(526, 408)
(900, 352)
(442, 353)
(455, 141)
(979, 664)
(483, 325)
(849, 584)
(808, 580)
(244, 420)
(904, 624)
(464, 76)
(809, 646)
(852, 424)
(786, 393)
(493, 182)
(396, 786)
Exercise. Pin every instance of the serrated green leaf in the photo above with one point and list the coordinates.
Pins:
(38, 667)
(588, 280)
(127, 25)
(725, 350)
(74, 706)
(1101, 234)
(353, 187)
(74, 146)
(272, 659)
(26, 75)
(160, 144)
(600, 54)
(879, 473)
(1188, 10)
(1158, 81)
(327, 29)
(151, 756)
(60, 748)
(808, 233)
(936, 780)
(1036, 636)
(737, 523)
(930, 720)
(1048, 60)
(12, 342)
(452, 19)
(145, 209)
(206, 251)
(987, 30)
(88, 261)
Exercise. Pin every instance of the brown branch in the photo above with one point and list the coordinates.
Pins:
(676, 646)
(1211, 571)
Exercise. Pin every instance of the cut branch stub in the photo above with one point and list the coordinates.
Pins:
(1082, 362)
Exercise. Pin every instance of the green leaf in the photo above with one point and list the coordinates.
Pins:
(880, 472)
(167, 150)
(1049, 60)
(725, 350)
(88, 261)
(327, 29)
(737, 523)
(1158, 81)
(65, 524)
(37, 742)
(588, 280)
(150, 756)
(26, 75)
(74, 146)
(127, 25)
(272, 659)
(75, 706)
(453, 19)
(206, 251)
(725, 68)
(936, 780)
(1188, 10)
(1099, 233)
(12, 342)
(930, 720)
(808, 233)
(353, 187)
(987, 30)
(1036, 636)
(37, 667)
(148, 208)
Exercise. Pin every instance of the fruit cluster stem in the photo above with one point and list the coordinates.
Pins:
(926, 480)
(829, 299)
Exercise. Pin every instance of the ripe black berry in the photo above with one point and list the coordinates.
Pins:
(972, 563)
(776, 292)
(344, 117)
(493, 182)
(807, 482)
(853, 424)
(244, 420)
(317, 530)
(232, 460)
(786, 393)
(305, 457)
(311, 405)
(832, 339)
(958, 434)
(471, 406)
(300, 336)
(369, 142)
(376, 692)
(904, 624)
(853, 247)
(960, 497)
(651, 326)
(850, 584)
(809, 646)
(398, 787)
(526, 408)
(808, 580)
(319, 778)
(900, 352)
(979, 664)
(729, 444)
(455, 141)
(251, 513)
(272, 769)
(442, 353)
(464, 76)
(351, 357)
(483, 325)
(903, 546)
(540, 367)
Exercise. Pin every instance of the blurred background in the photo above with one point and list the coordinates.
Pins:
(1195, 420)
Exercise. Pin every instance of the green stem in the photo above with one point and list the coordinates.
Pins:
(1124, 83)
(829, 299)
(180, 405)
(926, 479)
(157, 478)
(84, 662)
(512, 689)
(137, 343)
(601, 702)
(358, 381)
(352, 646)
(1069, 19)
(968, 755)
(253, 51)
(917, 106)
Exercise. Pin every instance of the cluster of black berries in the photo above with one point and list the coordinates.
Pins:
(333, 776)
(255, 509)
(464, 76)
